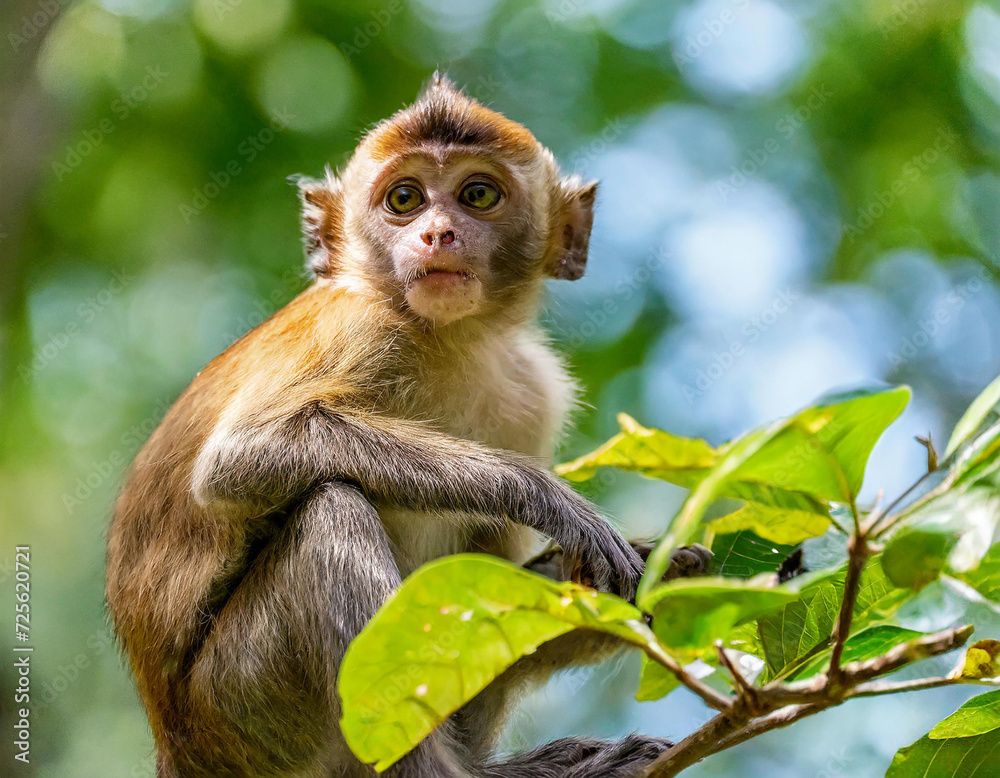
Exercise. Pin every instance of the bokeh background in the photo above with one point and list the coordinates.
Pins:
(795, 196)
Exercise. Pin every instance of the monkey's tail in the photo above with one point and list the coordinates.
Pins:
(581, 758)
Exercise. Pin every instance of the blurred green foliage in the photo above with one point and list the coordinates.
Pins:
(795, 196)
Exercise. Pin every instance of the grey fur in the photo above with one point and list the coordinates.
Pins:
(310, 594)
(407, 464)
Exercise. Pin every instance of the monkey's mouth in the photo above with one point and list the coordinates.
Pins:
(444, 294)
(441, 274)
(443, 280)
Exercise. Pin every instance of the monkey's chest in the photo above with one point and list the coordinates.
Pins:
(498, 421)
(516, 405)
(420, 537)
(511, 404)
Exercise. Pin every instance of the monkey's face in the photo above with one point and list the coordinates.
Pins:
(451, 210)
(443, 223)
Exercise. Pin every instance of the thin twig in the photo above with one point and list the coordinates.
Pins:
(907, 653)
(780, 704)
(711, 697)
(756, 710)
(875, 688)
(853, 505)
(818, 689)
(837, 524)
(925, 498)
(747, 692)
(878, 516)
(858, 551)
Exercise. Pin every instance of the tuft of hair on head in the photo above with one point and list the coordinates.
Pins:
(445, 115)
(322, 221)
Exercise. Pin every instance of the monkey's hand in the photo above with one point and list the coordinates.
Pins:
(685, 562)
(602, 559)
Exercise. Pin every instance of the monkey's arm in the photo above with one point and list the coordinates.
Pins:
(410, 465)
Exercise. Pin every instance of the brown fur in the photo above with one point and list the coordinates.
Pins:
(447, 117)
(341, 444)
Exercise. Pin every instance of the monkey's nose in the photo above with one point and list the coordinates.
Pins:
(438, 239)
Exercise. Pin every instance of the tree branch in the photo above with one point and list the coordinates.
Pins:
(759, 710)
(755, 710)
(906, 653)
(695, 747)
(780, 718)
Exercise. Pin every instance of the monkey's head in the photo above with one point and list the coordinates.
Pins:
(451, 210)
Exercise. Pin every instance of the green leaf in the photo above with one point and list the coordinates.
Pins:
(655, 682)
(967, 516)
(966, 757)
(972, 753)
(450, 629)
(980, 458)
(824, 449)
(653, 453)
(687, 520)
(744, 555)
(780, 525)
(772, 496)
(974, 416)
(976, 516)
(692, 614)
(985, 579)
(821, 452)
(798, 632)
(916, 557)
(977, 717)
(746, 638)
(866, 644)
(878, 598)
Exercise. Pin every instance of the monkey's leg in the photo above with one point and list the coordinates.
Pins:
(262, 693)
(480, 722)
(582, 758)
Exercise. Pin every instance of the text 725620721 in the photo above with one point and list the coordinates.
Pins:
(22, 654)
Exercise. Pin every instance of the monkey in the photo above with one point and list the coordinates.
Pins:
(402, 408)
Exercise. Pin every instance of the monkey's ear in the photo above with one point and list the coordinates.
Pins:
(322, 222)
(571, 223)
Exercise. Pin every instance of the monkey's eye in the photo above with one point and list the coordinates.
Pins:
(479, 195)
(404, 198)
